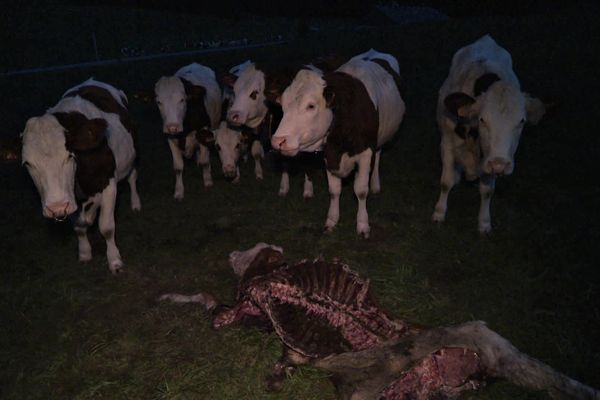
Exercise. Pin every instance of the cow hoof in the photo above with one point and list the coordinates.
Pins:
(328, 228)
(283, 193)
(363, 231)
(236, 181)
(485, 229)
(438, 216)
(259, 177)
(116, 267)
(136, 206)
(307, 196)
(208, 184)
(275, 382)
(85, 257)
(178, 196)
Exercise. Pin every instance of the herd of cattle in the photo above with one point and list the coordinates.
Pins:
(340, 113)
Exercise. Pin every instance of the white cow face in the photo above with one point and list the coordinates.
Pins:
(306, 115)
(50, 165)
(498, 114)
(241, 260)
(228, 143)
(248, 107)
(171, 101)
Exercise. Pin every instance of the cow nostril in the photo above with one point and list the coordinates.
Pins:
(281, 143)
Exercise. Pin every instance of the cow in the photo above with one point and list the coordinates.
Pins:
(190, 106)
(76, 153)
(481, 112)
(231, 144)
(256, 93)
(352, 112)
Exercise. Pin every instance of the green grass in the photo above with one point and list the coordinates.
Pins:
(73, 331)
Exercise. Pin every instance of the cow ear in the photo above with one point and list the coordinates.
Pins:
(229, 79)
(458, 105)
(205, 136)
(484, 82)
(273, 93)
(95, 131)
(535, 109)
(10, 149)
(329, 95)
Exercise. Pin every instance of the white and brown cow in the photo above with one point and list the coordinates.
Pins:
(232, 143)
(352, 111)
(190, 106)
(76, 153)
(481, 112)
(256, 89)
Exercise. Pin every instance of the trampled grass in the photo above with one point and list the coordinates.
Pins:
(73, 331)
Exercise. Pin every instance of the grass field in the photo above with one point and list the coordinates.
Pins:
(73, 331)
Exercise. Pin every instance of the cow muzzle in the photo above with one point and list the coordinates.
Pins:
(58, 211)
(229, 171)
(498, 165)
(173, 128)
(235, 117)
(281, 144)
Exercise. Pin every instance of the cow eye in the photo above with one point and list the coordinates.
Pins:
(181, 101)
(310, 106)
(26, 164)
(217, 147)
(481, 120)
(522, 121)
(158, 103)
(237, 146)
(254, 94)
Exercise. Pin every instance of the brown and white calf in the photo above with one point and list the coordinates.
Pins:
(256, 89)
(76, 153)
(190, 106)
(354, 111)
(481, 112)
(231, 144)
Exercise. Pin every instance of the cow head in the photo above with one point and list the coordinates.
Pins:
(307, 114)
(261, 253)
(229, 144)
(496, 115)
(50, 146)
(171, 100)
(248, 107)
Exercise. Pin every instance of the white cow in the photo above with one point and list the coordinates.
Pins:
(232, 144)
(190, 106)
(481, 112)
(76, 153)
(354, 111)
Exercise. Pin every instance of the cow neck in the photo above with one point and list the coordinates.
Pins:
(95, 168)
(355, 121)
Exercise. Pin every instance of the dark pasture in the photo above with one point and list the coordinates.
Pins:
(74, 331)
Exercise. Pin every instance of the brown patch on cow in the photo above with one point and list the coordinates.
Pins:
(385, 65)
(196, 117)
(86, 138)
(355, 120)
(228, 79)
(483, 83)
(104, 100)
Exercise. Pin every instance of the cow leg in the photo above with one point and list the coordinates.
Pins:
(284, 185)
(136, 204)
(487, 184)
(178, 167)
(84, 220)
(361, 190)
(375, 184)
(335, 188)
(450, 177)
(107, 226)
(258, 154)
(308, 188)
(204, 161)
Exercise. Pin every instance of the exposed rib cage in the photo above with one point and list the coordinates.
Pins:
(317, 308)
